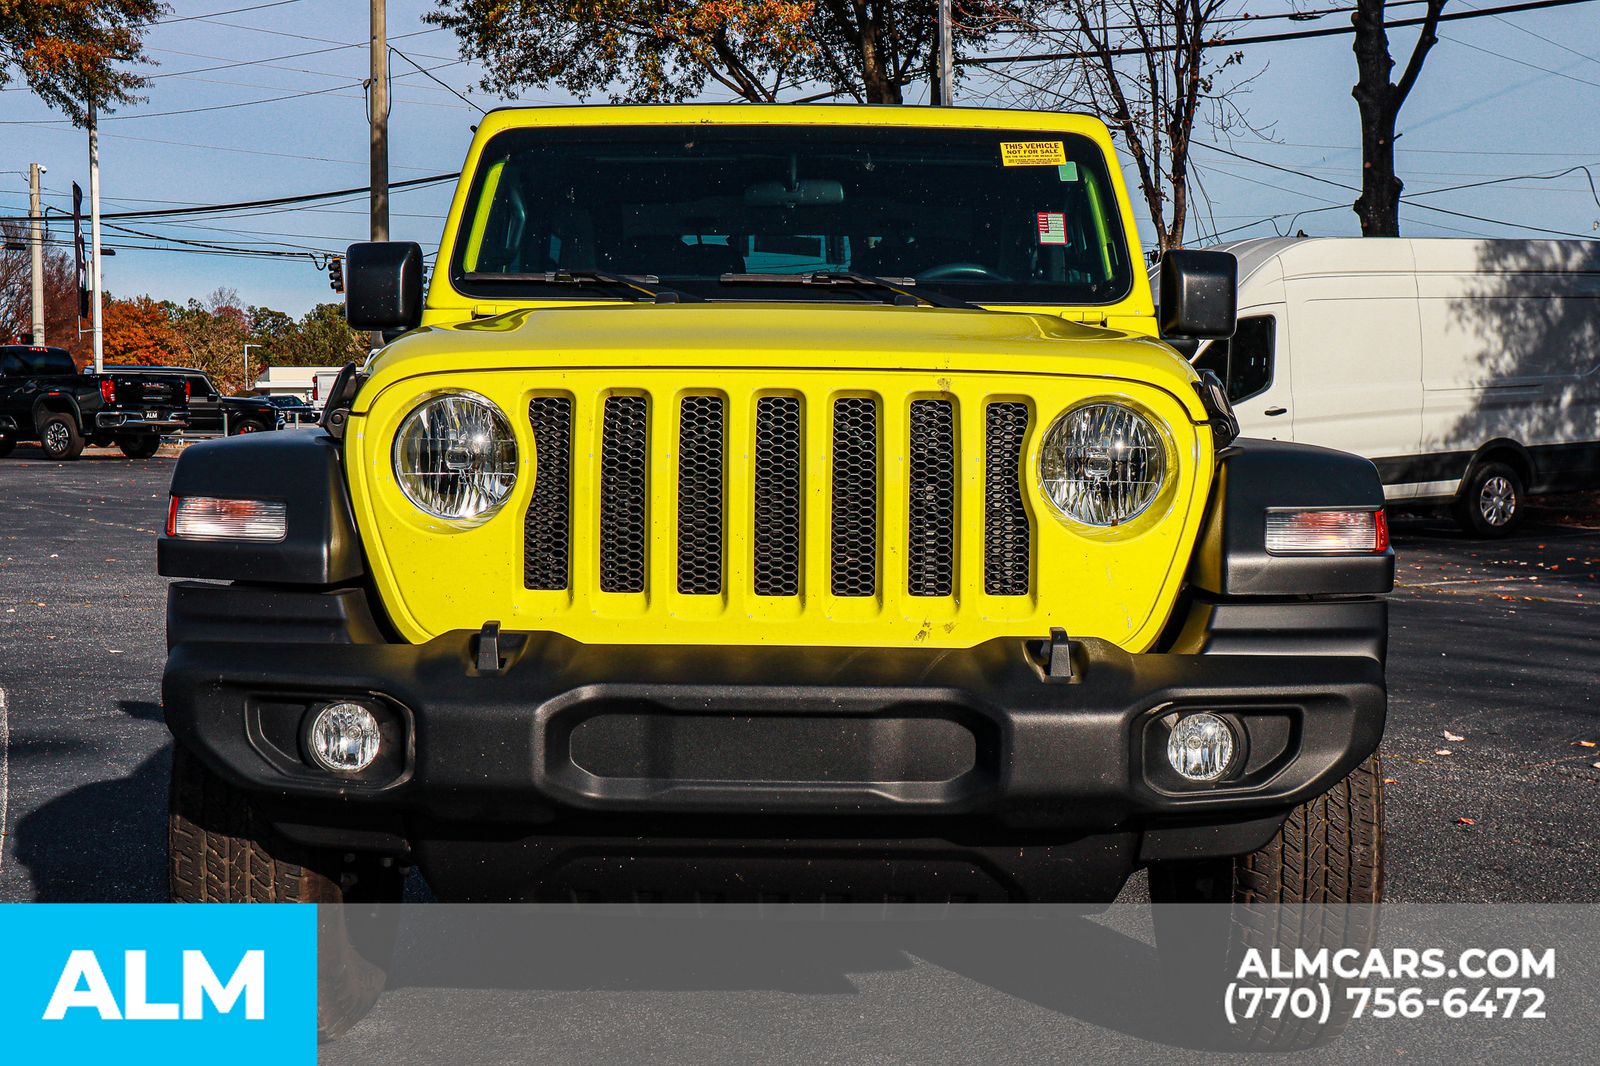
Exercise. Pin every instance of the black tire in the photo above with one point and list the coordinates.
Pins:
(1326, 862)
(6, 445)
(59, 437)
(1490, 504)
(221, 850)
(250, 425)
(140, 446)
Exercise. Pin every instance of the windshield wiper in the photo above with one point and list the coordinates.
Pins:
(897, 286)
(638, 287)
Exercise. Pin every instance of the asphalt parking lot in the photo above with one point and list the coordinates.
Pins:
(1492, 643)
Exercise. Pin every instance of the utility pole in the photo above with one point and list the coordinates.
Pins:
(945, 75)
(378, 115)
(247, 347)
(94, 239)
(36, 247)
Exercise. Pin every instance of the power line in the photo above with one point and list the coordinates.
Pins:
(429, 75)
(276, 201)
(230, 11)
(1403, 199)
(1262, 38)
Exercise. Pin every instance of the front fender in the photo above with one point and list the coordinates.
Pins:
(300, 467)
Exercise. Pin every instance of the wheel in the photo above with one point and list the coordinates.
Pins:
(220, 849)
(249, 425)
(1491, 500)
(1325, 863)
(140, 446)
(6, 444)
(59, 435)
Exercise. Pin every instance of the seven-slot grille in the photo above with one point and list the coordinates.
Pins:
(786, 470)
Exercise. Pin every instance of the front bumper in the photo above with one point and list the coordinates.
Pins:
(745, 744)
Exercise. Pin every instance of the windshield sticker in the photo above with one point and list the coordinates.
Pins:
(1052, 227)
(1032, 153)
(1067, 172)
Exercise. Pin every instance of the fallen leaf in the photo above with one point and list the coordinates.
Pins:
(1466, 821)
(1390, 781)
(1453, 737)
(1444, 751)
(1585, 743)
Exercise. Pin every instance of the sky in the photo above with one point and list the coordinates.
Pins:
(1500, 97)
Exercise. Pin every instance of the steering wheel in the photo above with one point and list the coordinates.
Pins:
(974, 271)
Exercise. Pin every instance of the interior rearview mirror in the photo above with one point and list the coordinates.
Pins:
(812, 192)
(383, 285)
(1199, 296)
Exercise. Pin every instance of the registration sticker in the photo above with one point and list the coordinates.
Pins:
(1052, 227)
(1032, 153)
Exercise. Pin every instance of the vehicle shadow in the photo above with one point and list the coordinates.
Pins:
(102, 842)
(512, 961)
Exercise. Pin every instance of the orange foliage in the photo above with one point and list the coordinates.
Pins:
(139, 331)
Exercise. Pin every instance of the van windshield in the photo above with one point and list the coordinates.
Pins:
(988, 216)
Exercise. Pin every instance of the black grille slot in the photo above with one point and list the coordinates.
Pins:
(700, 449)
(623, 454)
(776, 562)
(855, 496)
(1006, 534)
(930, 551)
(547, 528)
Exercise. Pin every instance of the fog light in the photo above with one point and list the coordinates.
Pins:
(1201, 746)
(344, 737)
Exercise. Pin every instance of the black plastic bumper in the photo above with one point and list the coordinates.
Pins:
(744, 745)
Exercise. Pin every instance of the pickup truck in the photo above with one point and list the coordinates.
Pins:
(212, 412)
(43, 397)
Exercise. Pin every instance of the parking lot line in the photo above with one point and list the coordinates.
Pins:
(5, 774)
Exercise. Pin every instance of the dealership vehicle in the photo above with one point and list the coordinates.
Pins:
(1467, 370)
(778, 503)
(212, 412)
(44, 397)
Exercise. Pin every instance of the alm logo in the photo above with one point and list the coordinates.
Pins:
(83, 986)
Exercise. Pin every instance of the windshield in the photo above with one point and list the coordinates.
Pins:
(990, 216)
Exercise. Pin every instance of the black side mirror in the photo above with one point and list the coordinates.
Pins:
(383, 285)
(1199, 294)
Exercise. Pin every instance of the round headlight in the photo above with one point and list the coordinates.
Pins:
(455, 457)
(1102, 463)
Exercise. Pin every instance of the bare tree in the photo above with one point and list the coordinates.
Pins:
(1380, 101)
(1152, 69)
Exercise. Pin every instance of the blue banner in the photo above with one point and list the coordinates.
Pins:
(134, 983)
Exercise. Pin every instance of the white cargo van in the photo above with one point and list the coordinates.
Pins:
(1467, 370)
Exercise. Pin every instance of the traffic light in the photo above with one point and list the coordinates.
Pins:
(336, 274)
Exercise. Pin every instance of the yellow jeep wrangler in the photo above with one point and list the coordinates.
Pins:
(778, 502)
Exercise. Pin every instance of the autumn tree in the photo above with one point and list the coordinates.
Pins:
(139, 331)
(1380, 100)
(70, 52)
(672, 50)
(16, 293)
(1154, 71)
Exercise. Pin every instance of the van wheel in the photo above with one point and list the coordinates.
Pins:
(59, 436)
(1316, 884)
(220, 849)
(1490, 504)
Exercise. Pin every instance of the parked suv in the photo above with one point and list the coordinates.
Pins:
(44, 397)
(212, 412)
(778, 503)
